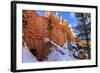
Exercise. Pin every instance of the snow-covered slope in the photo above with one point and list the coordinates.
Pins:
(27, 56)
(55, 55)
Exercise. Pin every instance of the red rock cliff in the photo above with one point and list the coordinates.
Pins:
(36, 28)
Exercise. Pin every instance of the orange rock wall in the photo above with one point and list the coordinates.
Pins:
(35, 29)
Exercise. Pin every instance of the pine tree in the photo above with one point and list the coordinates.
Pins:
(84, 28)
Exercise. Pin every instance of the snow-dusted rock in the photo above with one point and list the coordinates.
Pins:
(56, 55)
(73, 44)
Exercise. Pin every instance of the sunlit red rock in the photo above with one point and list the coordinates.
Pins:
(36, 28)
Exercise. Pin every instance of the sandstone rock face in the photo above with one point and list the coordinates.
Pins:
(56, 34)
(36, 28)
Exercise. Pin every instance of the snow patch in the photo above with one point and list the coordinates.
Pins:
(55, 54)
(27, 56)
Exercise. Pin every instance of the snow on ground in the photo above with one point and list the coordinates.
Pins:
(55, 55)
(27, 56)
(58, 56)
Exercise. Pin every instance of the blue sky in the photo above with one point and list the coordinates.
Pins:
(68, 16)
